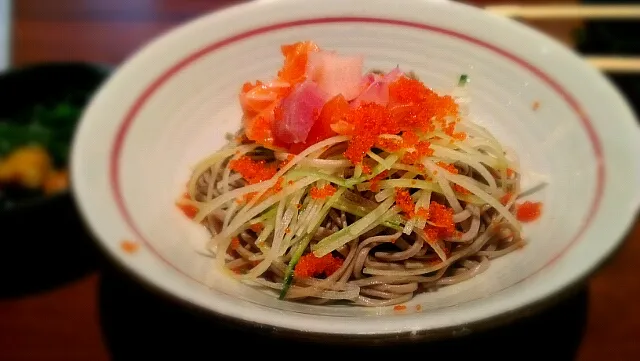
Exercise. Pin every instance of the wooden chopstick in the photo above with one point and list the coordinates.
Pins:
(554, 12)
(611, 64)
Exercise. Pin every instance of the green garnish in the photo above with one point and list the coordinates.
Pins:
(464, 79)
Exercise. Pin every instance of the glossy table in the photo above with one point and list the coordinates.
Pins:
(64, 322)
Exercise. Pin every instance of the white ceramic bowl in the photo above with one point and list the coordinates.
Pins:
(172, 103)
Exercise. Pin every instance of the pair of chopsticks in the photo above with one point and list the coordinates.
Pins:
(610, 64)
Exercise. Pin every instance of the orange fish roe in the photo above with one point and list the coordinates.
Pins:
(510, 172)
(370, 120)
(322, 193)
(412, 106)
(449, 167)
(441, 215)
(277, 187)
(375, 181)
(459, 136)
(286, 161)
(460, 189)
(251, 170)
(258, 227)
(528, 211)
(312, 266)
(399, 307)
(129, 246)
(189, 210)
(405, 202)
(422, 149)
(422, 213)
(258, 129)
(411, 91)
(505, 198)
(269, 192)
(247, 197)
(449, 128)
(235, 243)
(389, 144)
(441, 219)
(535, 106)
(419, 105)
(409, 139)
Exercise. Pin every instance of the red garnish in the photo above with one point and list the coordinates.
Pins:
(322, 193)
(405, 202)
(258, 227)
(129, 246)
(375, 181)
(460, 136)
(235, 243)
(259, 130)
(441, 222)
(506, 198)
(449, 167)
(312, 266)
(188, 210)
(422, 149)
(247, 197)
(285, 162)
(369, 120)
(528, 211)
(422, 213)
(535, 106)
(251, 170)
(275, 189)
(409, 139)
(389, 144)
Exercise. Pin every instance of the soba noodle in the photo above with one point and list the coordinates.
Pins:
(382, 253)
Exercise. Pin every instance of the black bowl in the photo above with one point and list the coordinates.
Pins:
(45, 242)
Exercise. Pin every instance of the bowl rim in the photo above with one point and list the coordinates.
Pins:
(421, 329)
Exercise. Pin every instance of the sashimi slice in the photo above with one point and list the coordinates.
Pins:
(378, 89)
(297, 113)
(336, 74)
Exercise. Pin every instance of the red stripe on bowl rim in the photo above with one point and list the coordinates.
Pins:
(188, 60)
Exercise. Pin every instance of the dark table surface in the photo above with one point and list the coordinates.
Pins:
(90, 311)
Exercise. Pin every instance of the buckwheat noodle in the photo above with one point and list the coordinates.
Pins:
(261, 232)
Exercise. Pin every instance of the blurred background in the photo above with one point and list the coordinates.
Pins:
(78, 306)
